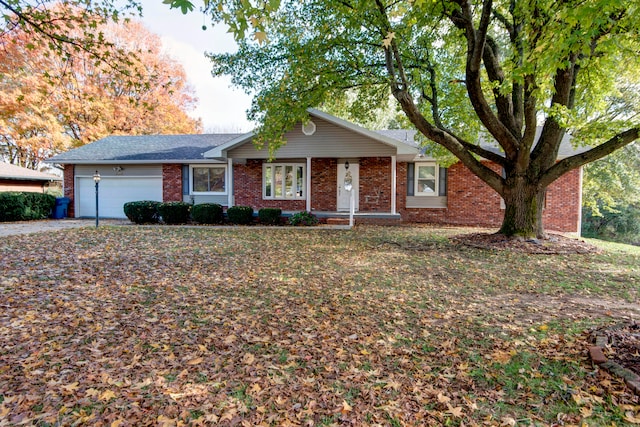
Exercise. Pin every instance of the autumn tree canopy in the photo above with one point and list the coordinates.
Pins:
(51, 101)
(458, 69)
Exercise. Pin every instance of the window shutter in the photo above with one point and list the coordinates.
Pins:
(442, 185)
(185, 179)
(411, 168)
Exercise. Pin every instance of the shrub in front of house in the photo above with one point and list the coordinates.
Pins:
(174, 212)
(241, 215)
(41, 204)
(269, 216)
(142, 212)
(16, 206)
(303, 218)
(207, 213)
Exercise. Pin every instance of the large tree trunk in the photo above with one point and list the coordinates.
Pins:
(523, 210)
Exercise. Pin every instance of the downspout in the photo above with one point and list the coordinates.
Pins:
(308, 184)
(394, 192)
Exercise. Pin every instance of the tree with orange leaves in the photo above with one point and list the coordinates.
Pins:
(50, 102)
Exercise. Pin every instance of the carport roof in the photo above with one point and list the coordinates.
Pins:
(144, 149)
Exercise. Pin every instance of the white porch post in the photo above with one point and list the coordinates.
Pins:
(393, 185)
(308, 184)
(580, 201)
(230, 183)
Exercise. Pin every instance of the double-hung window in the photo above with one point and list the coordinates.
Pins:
(283, 181)
(426, 180)
(208, 179)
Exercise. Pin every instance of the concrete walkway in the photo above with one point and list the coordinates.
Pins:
(28, 227)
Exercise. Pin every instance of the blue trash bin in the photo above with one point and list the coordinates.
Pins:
(60, 208)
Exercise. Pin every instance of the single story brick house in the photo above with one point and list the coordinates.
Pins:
(17, 178)
(392, 180)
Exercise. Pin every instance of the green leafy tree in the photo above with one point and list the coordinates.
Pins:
(458, 69)
(611, 196)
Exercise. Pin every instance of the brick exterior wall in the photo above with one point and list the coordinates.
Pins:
(469, 200)
(562, 211)
(172, 183)
(375, 184)
(247, 188)
(324, 184)
(472, 202)
(68, 182)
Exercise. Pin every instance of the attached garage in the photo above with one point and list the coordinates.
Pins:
(135, 183)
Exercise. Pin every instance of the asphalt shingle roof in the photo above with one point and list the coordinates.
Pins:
(408, 137)
(160, 148)
(9, 171)
(177, 148)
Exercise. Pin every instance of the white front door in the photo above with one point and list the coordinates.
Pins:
(344, 172)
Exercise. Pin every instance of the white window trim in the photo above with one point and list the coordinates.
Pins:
(418, 193)
(273, 166)
(204, 193)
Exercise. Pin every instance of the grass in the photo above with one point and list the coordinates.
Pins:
(374, 326)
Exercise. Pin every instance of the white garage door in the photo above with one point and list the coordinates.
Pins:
(113, 194)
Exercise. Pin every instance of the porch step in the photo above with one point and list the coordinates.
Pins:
(337, 221)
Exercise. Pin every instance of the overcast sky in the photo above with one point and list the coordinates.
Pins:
(221, 108)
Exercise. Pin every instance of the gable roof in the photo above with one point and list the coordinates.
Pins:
(18, 173)
(144, 149)
(401, 147)
(208, 148)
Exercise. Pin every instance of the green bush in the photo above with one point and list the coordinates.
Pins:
(303, 218)
(41, 204)
(622, 226)
(26, 206)
(142, 212)
(207, 213)
(240, 215)
(269, 216)
(174, 212)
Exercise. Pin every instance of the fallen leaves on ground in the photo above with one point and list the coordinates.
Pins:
(169, 326)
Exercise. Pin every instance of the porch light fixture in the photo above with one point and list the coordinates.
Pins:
(346, 165)
(96, 179)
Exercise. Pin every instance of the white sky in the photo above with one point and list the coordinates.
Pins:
(221, 108)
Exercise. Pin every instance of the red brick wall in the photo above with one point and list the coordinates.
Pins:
(247, 188)
(562, 207)
(375, 180)
(472, 202)
(324, 184)
(172, 183)
(375, 184)
(68, 182)
(469, 200)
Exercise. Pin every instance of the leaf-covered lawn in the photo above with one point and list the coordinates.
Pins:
(377, 326)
